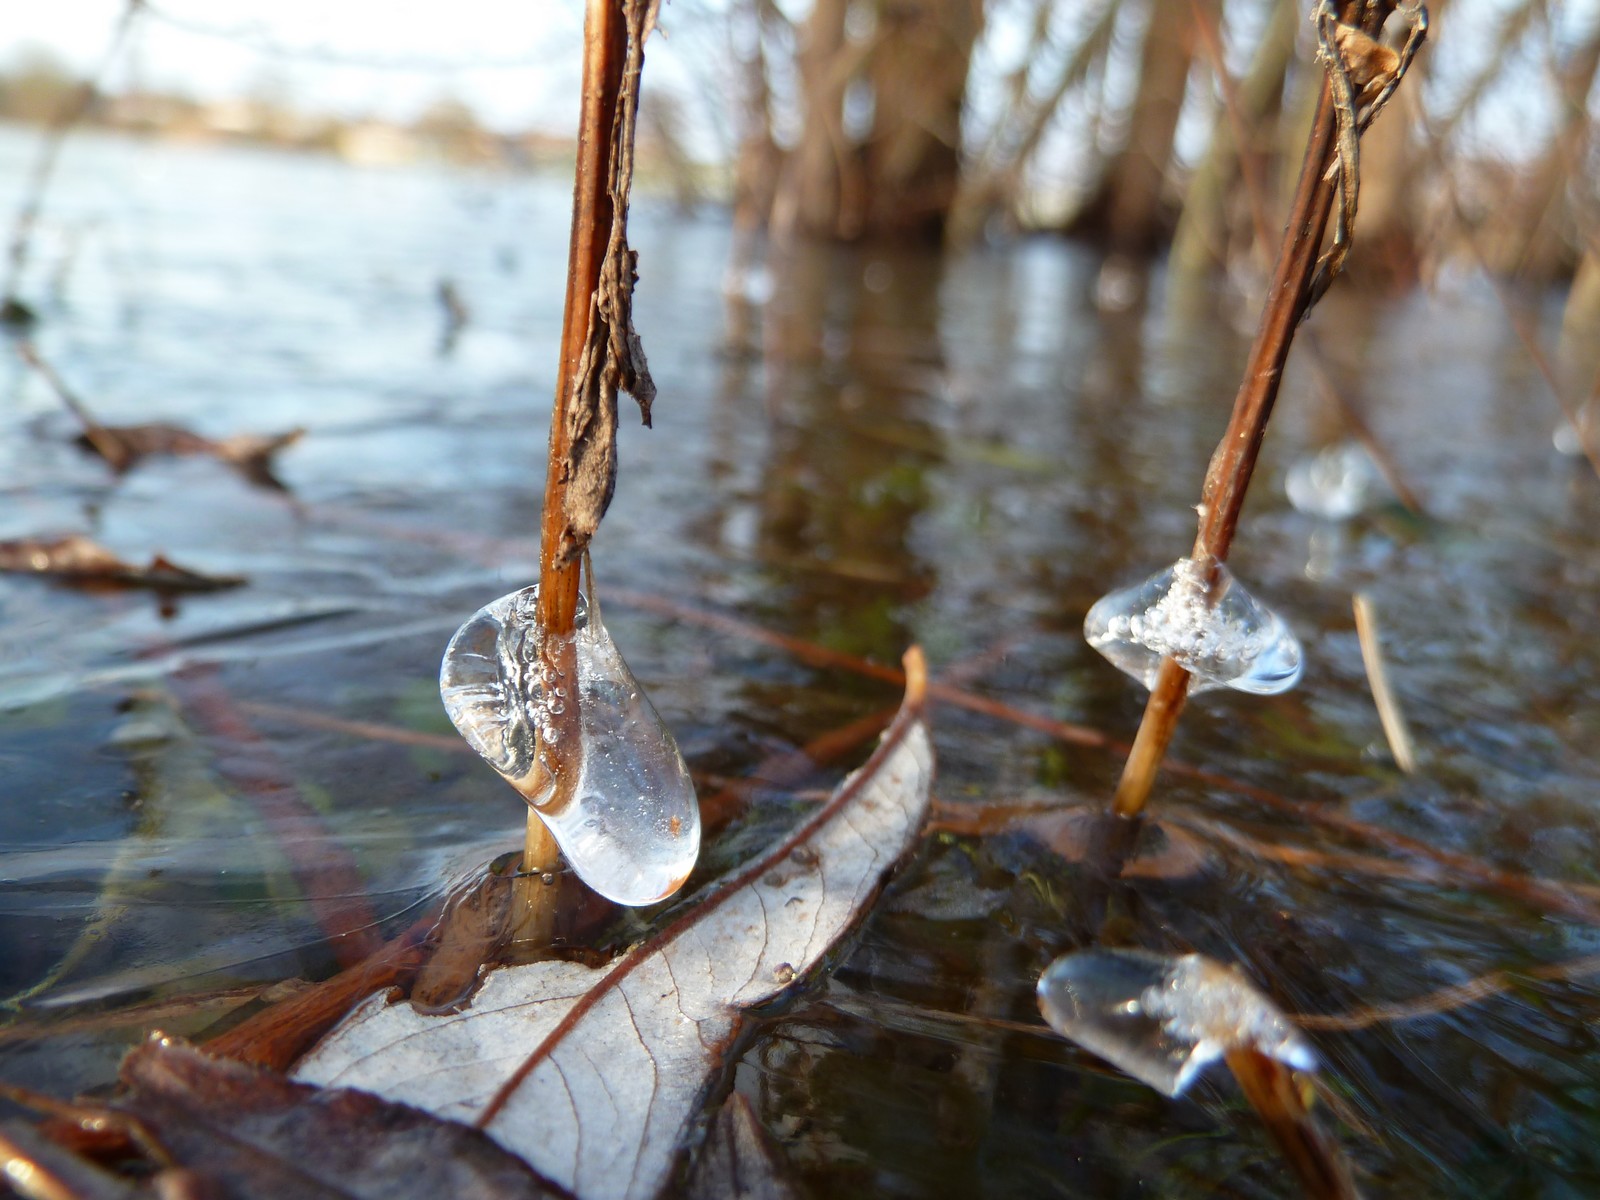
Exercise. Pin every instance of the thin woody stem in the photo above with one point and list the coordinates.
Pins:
(1273, 1091)
(1228, 477)
(605, 43)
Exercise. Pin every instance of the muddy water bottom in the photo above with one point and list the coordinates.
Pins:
(965, 453)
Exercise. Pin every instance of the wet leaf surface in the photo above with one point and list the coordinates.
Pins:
(739, 1160)
(595, 1074)
(251, 1134)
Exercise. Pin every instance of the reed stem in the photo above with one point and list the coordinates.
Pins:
(605, 45)
(1289, 298)
(1274, 1093)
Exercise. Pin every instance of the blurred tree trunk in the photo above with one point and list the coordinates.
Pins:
(1130, 212)
(812, 195)
(1214, 207)
(993, 180)
(918, 73)
(900, 179)
(1580, 330)
(1537, 232)
(758, 157)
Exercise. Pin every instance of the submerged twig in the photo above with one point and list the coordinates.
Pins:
(1298, 281)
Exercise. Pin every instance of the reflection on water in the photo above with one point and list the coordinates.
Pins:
(885, 448)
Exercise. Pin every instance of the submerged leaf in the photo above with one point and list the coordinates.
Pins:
(595, 1074)
(739, 1160)
(252, 1133)
(78, 559)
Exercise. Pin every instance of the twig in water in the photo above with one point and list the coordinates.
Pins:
(1256, 198)
(1274, 1092)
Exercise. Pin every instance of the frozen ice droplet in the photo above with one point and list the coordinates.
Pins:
(1164, 1019)
(1227, 639)
(628, 821)
(1335, 483)
(1569, 439)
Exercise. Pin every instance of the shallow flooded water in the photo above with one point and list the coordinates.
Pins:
(891, 448)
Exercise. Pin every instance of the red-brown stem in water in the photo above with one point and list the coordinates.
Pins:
(1274, 1093)
(605, 44)
(1228, 476)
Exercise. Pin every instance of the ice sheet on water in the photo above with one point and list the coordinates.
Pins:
(1335, 483)
(1163, 1019)
(1228, 639)
(630, 824)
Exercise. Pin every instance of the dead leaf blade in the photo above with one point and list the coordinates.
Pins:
(594, 1075)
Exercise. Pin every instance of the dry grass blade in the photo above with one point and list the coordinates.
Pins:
(1394, 721)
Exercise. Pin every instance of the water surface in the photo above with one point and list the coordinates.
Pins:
(964, 453)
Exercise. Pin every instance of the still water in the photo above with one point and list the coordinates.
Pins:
(965, 453)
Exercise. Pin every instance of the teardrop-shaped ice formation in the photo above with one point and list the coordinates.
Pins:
(1335, 483)
(629, 823)
(1164, 1019)
(1227, 640)
(1569, 439)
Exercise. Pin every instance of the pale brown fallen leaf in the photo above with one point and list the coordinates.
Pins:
(252, 1134)
(595, 1075)
(78, 559)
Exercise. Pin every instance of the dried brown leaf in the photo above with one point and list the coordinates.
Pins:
(595, 1075)
(78, 559)
(252, 1133)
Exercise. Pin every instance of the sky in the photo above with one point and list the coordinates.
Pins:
(515, 61)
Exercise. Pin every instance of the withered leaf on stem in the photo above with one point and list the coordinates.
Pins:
(613, 356)
(594, 1075)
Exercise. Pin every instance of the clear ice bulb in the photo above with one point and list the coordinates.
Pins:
(1228, 639)
(629, 823)
(1161, 1019)
(1335, 483)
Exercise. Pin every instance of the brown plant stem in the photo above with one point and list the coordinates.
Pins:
(1233, 463)
(1274, 1093)
(605, 44)
(1255, 190)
